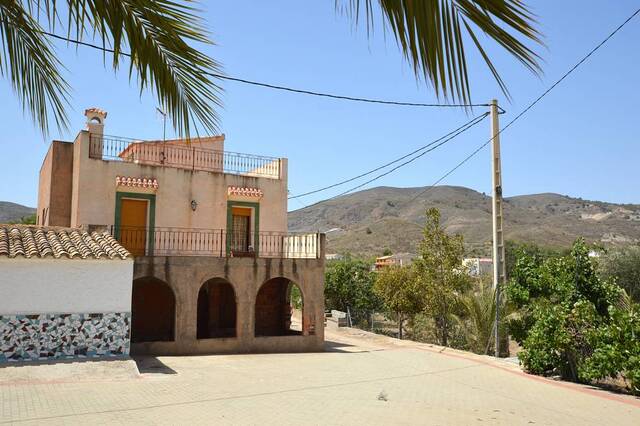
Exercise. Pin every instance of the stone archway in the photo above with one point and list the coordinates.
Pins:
(153, 311)
(279, 309)
(217, 309)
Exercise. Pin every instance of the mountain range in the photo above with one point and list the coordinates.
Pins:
(367, 222)
(10, 212)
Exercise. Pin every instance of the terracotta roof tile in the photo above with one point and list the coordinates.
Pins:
(39, 241)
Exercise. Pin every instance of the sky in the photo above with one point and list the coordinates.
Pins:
(581, 140)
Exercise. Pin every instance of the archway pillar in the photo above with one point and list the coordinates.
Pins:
(245, 282)
(187, 305)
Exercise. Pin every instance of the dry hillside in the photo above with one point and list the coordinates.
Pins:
(10, 212)
(366, 222)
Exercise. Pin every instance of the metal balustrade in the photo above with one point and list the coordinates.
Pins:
(217, 243)
(170, 154)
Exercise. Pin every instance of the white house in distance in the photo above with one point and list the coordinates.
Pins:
(478, 266)
(64, 293)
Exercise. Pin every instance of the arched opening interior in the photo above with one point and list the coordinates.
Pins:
(279, 308)
(216, 309)
(153, 311)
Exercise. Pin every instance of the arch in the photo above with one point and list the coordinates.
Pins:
(279, 309)
(153, 311)
(217, 310)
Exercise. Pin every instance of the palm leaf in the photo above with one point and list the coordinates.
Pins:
(159, 35)
(431, 37)
(28, 61)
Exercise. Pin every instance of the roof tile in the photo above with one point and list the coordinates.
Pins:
(40, 241)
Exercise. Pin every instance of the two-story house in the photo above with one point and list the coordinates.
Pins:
(215, 269)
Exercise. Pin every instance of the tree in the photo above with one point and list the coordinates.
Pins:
(432, 34)
(397, 288)
(477, 316)
(514, 250)
(616, 348)
(387, 252)
(623, 265)
(562, 304)
(349, 286)
(158, 33)
(440, 273)
(26, 220)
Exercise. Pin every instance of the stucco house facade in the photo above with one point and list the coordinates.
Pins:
(215, 270)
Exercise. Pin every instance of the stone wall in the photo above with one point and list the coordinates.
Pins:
(62, 336)
(185, 276)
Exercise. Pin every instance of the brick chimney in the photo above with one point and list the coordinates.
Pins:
(95, 120)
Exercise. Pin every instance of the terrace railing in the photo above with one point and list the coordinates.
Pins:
(217, 243)
(170, 154)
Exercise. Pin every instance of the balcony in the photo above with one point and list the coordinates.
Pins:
(218, 243)
(183, 156)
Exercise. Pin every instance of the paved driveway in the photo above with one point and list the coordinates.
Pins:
(361, 379)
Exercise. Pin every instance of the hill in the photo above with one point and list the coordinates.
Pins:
(10, 212)
(366, 222)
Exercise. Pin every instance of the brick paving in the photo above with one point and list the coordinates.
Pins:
(361, 379)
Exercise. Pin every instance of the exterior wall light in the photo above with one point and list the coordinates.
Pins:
(194, 205)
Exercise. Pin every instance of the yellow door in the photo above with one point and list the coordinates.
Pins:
(133, 225)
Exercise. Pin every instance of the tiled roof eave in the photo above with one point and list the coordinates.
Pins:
(38, 242)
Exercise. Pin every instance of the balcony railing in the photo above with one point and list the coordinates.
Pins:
(217, 243)
(170, 154)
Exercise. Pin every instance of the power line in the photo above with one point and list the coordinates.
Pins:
(284, 88)
(343, 97)
(387, 164)
(517, 117)
(469, 126)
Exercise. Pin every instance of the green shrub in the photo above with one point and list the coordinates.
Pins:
(616, 349)
(571, 321)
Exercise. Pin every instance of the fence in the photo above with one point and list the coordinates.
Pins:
(170, 154)
(217, 243)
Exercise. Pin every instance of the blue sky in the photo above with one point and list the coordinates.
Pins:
(581, 140)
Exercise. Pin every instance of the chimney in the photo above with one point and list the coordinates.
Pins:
(95, 120)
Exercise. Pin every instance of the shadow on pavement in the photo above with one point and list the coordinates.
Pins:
(152, 365)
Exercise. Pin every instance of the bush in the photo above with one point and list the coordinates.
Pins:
(349, 285)
(571, 322)
(623, 265)
(616, 349)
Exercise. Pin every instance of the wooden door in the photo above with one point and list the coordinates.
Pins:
(133, 225)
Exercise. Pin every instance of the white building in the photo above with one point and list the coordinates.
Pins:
(64, 293)
(478, 266)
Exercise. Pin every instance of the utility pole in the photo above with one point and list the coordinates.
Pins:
(499, 274)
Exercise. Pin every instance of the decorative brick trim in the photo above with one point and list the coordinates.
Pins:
(245, 192)
(63, 336)
(137, 182)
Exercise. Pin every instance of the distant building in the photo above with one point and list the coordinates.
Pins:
(333, 256)
(477, 266)
(398, 259)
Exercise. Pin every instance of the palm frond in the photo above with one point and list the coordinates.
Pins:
(431, 34)
(28, 61)
(159, 37)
